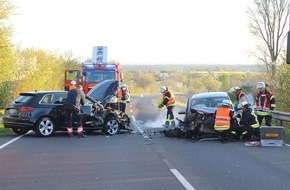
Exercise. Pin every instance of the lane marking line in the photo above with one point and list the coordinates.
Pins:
(13, 140)
(178, 175)
(182, 180)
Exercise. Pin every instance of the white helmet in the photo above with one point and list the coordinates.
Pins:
(226, 103)
(245, 103)
(234, 89)
(124, 87)
(261, 85)
(73, 82)
(163, 89)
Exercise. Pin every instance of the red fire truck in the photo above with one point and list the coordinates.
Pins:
(91, 74)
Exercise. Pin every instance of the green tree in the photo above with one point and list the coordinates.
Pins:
(6, 49)
(269, 22)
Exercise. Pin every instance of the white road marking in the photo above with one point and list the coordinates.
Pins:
(13, 140)
(180, 178)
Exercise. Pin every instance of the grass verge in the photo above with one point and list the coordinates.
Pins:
(4, 131)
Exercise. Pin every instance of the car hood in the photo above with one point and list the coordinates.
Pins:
(104, 91)
(206, 110)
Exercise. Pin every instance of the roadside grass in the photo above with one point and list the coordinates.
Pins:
(4, 131)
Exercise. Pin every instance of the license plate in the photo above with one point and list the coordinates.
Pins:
(12, 111)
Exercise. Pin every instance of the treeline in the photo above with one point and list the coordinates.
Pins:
(35, 69)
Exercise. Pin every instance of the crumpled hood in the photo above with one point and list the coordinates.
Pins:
(104, 91)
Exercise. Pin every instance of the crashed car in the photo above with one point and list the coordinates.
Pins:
(199, 115)
(43, 112)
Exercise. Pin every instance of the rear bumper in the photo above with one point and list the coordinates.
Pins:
(18, 123)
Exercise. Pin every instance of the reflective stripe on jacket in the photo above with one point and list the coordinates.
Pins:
(264, 103)
(169, 98)
(222, 119)
(249, 118)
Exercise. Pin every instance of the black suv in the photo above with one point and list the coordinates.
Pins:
(43, 112)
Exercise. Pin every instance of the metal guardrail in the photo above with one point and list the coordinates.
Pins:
(281, 116)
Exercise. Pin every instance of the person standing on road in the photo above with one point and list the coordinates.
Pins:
(265, 104)
(169, 101)
(75, 98)
(240, 96)
(123, 97)
(72, 85)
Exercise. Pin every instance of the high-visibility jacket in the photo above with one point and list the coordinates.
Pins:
(248, 117)
(168, 98)
(72, 87)
(265, 102)
(123, 95)
(222, 119)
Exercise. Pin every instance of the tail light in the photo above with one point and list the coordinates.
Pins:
(25, 109)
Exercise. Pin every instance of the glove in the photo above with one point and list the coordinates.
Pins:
(270, 112)
(160, 105)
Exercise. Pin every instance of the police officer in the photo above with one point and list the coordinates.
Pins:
(75, 98)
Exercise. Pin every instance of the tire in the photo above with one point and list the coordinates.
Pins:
(111, 126)
(45, 127)
(173, 133)
(188, 134)
(19, 131)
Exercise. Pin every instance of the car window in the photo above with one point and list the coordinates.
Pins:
(207, 102)
(46, 99)
(24, 98)
(59, 98)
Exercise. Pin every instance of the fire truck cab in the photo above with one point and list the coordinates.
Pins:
(91, 74)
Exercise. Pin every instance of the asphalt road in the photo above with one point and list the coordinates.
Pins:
(142, 161)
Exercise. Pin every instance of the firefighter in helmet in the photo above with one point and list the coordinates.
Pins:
(223, 120)
(168, 100)
(72, 85)
(123, 97)
(265, 104)
(249, 127)
(240, 96)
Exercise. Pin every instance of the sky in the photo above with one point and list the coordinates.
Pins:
(138, 31)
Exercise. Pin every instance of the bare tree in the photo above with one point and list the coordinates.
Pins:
(268, 22)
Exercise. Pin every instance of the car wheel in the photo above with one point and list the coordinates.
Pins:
(173, 132)
(188, 134)
(112, 126)
(19, 131)
(45, 127)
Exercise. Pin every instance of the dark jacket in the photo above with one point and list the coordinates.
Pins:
(248, 118)
(76, 98)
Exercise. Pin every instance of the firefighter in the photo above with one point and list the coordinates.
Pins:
(72, 85)
(123, 97)
(223, 120)
(265, 104)
(75, 98)
(169, 101)
(249, 126)
(240, 96)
